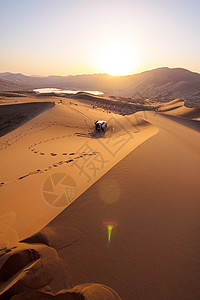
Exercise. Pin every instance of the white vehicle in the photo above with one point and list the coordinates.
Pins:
(100, 125)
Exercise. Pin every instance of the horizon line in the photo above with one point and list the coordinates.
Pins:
(85, 74)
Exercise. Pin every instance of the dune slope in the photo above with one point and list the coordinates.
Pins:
(12, 116)
(154, 248)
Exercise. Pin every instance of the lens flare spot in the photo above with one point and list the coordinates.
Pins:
(109, 226)
(109, 191)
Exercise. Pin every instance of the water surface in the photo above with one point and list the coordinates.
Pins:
(54, 90)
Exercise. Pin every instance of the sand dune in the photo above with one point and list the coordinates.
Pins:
(147, 191)
(61, 140)
(177, 108)
(13, 116)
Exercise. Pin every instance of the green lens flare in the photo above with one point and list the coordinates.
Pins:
(110, 226)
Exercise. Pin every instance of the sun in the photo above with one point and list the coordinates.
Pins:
(117, 60)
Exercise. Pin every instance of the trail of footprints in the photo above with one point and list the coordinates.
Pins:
(55, 165)
(32, 147)
(37, 127)
(44, 126)
(17, 137)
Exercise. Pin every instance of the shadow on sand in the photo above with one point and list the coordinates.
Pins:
(92, 135)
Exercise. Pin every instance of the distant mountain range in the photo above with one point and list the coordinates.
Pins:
(162, 83)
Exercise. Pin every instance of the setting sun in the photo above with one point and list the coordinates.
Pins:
(117, 60)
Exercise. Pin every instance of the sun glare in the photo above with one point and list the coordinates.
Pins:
(117, 60)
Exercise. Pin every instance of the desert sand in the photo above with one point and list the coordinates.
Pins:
(140, 178)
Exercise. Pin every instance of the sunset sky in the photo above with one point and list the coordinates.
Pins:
(119, 37)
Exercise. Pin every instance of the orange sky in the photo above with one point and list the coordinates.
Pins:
(109, 36)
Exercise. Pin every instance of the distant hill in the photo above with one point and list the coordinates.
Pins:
(7, 85)
(162, 83)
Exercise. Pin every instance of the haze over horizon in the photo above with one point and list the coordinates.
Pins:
(100, 73)
(86, 37)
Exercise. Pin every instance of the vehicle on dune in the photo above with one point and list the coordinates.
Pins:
(100, 125)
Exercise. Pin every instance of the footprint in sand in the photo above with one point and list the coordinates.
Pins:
(59, 163)
(31, 173)
(35, 172)
(52, 166)
(22, 177)
(69, 160)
